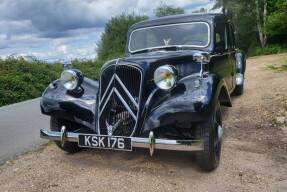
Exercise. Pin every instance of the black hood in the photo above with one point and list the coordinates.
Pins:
(182, 60)
(158, 56)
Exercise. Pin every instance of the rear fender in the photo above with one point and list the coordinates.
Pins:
(240, 62)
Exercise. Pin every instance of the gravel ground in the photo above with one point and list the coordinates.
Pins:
(254, 156)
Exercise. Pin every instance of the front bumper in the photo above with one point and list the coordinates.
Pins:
(151, 143)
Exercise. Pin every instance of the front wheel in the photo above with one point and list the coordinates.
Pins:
(211, 133)
(56, 125)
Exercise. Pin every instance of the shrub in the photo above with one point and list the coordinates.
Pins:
(278, 67)
(21, 80)
(90, 69)
(269, 49)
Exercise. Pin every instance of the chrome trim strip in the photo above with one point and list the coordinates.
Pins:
(122, 100)
(127, 92)
(165, 144)
(107, 100)
(102, 98)
(125, 104)
(188, 23)
(56, 135)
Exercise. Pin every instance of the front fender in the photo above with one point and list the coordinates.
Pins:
(57, 101)
(190, 101)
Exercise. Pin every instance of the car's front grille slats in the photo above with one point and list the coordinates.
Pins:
(120, 93)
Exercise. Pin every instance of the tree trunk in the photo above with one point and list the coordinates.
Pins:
(261, 23)
(264, 22)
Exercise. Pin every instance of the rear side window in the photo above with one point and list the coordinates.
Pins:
(220, 37)
(231, 38)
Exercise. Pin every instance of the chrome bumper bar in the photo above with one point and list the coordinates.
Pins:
(151, 143)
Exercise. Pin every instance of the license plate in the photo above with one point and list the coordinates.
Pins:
(105, 142)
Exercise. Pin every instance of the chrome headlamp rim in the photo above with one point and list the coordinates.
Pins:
(67, 83)
(165, 81)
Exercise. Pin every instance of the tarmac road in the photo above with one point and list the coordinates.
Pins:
(19, 128)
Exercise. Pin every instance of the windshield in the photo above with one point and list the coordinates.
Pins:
(195, 34)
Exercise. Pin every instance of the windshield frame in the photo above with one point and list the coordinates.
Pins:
(180, 46)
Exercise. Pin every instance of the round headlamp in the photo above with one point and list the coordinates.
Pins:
(165, 77)
(70, 79)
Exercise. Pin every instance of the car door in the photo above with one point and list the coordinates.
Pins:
(221, 64)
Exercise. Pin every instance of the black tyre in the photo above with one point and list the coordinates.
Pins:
(55, 125)
(208, 159)
(238, 90)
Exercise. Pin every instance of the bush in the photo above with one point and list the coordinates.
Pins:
(21, 80)
(269, 49)
(90, 69)
(278, 67)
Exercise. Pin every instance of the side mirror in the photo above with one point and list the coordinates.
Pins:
(203, 58)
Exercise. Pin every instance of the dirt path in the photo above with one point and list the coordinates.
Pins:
(254, 156)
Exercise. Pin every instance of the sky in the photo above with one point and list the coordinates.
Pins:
(66, 29)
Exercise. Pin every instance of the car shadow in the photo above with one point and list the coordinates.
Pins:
(139, 160)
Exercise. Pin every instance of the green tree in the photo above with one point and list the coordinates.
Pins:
(261, 16)
(201, 10)
(258, 22)
(113, 39)
(243, 16)
(276, 22)
(166, 10)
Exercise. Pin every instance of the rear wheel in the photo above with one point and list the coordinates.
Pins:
(211, 133)
(238, 90)
(56, 125)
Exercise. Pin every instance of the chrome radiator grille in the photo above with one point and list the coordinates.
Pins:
(120, 90)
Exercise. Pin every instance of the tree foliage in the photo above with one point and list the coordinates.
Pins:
(166, 10)
(21, 79)
(113, 39)
(257, 21)
(277, 20)
(243, 16)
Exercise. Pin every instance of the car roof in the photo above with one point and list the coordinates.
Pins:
(183, 18)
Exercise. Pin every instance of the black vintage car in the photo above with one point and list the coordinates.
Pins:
(166, 93)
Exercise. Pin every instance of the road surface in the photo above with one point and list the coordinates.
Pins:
(19, 128)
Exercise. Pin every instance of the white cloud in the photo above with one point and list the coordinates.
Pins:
(62, 49)
(68, 28)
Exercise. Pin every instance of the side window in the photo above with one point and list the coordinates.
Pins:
(230, 36)
(220, 37)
